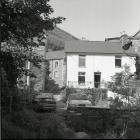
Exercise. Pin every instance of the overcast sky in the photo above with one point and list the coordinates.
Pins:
(98, 19)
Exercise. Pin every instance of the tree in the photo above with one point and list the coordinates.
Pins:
(120, 84)
(132, 42)
(21, 21)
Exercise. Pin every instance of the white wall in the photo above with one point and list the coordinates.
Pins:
(94, 63)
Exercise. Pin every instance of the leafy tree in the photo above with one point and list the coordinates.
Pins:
(130, 121)
(21, 21)
(120, 82)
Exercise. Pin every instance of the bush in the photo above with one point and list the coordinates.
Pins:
(21, 124)
(11, 130)
(28, 124)
(95, 94)
(68, 92)
(51, 86)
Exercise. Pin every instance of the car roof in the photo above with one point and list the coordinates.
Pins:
(44, 95)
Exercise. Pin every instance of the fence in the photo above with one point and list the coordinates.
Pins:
(87, 84)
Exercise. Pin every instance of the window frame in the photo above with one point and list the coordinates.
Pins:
(57, 64)
(118, 61)
(56, 74)
(97, 84)
(82, 59)
(81, 75)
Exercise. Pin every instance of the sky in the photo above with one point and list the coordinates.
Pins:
(98, 19)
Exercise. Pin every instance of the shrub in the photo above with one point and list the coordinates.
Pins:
(28, 124)
(96, 94)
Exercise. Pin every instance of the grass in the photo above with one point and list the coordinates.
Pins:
(28, 124)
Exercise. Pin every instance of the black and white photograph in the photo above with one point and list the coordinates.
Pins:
(70, 69)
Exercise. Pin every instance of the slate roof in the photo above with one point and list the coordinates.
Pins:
(96, 47)
(91, 47)
(137, 35)
(55, 55)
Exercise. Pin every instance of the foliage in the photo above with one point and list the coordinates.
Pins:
(21, 21)
(96, 94)
(116, 103)
(68, 92)
(93, 94)
(120, 85)
(27, 124)
(120, 82)
(51, 86)
(55, 44)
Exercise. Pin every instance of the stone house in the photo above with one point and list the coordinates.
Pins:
(55, 41)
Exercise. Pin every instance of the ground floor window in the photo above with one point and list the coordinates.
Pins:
(81, 78)
(56, 74)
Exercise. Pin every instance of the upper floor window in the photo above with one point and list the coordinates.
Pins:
(56, 64)
(118, 61)
(82, 61)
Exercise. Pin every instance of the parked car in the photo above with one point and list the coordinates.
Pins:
(44, 102)
(77, 100)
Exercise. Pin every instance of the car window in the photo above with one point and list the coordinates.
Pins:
(78, 97)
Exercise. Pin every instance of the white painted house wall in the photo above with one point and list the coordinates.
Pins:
(94, 63)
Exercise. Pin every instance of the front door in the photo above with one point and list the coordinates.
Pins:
(97, 79)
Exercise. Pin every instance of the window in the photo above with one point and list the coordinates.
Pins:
(56, 64)
(55, 74)
(118, 61)
(81, 78)
(82, 62)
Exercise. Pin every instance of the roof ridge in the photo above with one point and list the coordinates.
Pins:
(92, 41)
(136, 33)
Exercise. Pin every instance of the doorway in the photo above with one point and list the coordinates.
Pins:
(97, 79)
